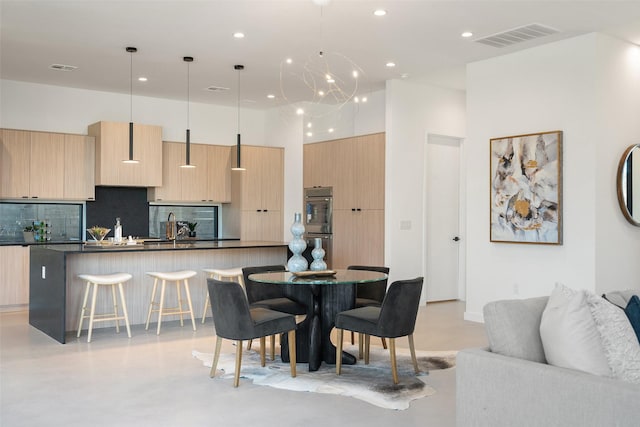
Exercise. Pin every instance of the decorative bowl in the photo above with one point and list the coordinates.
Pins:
(98, 233)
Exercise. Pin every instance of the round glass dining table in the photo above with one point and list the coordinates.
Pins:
(331, 294)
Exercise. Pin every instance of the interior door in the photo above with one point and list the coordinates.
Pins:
(442, 217)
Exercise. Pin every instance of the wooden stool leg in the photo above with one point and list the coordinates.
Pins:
(93, 310)
(153, 298)
(84, 307)
(124, 310)
(339, 352)
(161, 306)
(179, 295)
(206, 306)
(115, 307)
(186, 289)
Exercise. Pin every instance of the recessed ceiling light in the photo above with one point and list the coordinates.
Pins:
(299, 111)
(142, 79)
(238, 35)
(271, 96)
(309, 133)
(309, 125)
(391, 64)
(466, 34)
(380, 12)
(330, 130)
(289, 60)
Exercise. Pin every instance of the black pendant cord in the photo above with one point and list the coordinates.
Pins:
(131, 51)
(188, 60)
(239, 68)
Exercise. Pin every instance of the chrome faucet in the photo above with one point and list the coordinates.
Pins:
(171, 228)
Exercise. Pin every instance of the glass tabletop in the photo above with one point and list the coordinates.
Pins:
(341, 277)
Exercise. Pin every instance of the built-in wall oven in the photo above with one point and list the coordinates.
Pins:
(318, 219)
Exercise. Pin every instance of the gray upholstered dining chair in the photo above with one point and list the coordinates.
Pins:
(269, 296)
(235, 320)
(369, 294)
(396, 317)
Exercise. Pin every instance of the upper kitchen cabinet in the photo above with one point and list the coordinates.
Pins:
(319, 164)
(112, 147)
(46, 165)
(208, 181)
(359, 174)
(79, 167)
(257, 198)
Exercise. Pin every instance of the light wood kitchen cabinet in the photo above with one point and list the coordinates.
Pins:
(208, 181)
(79, 167)
(358, 238)
(14, 275)
(112, 147)
(355, 168)
(15, 149)
(46, 165)
(255, 212)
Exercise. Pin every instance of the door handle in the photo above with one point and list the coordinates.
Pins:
(456, 239)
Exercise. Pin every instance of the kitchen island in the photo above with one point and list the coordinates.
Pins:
(55, 292)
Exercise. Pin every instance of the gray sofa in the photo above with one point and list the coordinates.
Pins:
(511, 384)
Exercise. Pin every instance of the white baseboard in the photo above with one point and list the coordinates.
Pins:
(473, 317)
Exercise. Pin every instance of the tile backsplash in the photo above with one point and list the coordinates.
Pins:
(65, 220)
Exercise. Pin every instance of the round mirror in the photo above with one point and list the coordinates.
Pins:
(629, 184)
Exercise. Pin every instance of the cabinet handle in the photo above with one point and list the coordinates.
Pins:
(25, 197)
(258, 210)
(353, 209)
(358, 209)
(265, 210)
(34, 197)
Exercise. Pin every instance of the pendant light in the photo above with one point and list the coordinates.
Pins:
(131, 51)
(188, 60)
(238, 167)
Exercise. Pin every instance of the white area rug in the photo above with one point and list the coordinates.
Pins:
(371, 383)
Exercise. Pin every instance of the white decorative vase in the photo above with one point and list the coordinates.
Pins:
(317, 253)
(297, 245)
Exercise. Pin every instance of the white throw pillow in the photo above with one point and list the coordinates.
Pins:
(621, 347)
(569, 334)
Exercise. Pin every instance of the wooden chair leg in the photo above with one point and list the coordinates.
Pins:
(360, 345)
(367, 346)
(273, 347)
(412, 349)
(249, 344)
(236, 379)
(384, 343)
(394, 367)
(262, 351)
(339, 352)
(352, 338)
(292, 352)
(216, 356)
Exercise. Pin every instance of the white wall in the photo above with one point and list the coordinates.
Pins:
(62, 109)
(413, 111)
(560, 86)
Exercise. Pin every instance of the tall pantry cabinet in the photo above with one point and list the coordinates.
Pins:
(355, 168)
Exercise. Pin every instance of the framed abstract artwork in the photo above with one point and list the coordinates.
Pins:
(526, 188)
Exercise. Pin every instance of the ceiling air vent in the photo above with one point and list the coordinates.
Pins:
(517, 35)
(62, 67)
(217, 88)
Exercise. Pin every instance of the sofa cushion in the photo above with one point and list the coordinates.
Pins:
(633, 314)
(620, 298)
(621, 347)
(513, 328)
(569, 334)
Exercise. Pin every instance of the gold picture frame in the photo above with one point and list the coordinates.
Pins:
(526, 188)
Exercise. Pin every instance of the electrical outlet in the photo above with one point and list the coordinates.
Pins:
(44, 272)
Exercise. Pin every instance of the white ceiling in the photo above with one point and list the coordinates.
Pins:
(421, 37)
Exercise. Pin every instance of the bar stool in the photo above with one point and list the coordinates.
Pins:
(233, 274)
(95, 281)
(179, 277)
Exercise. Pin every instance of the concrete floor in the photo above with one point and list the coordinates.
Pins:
(154, 380)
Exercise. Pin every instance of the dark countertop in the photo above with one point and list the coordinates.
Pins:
(76, 242)
(80, 248)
